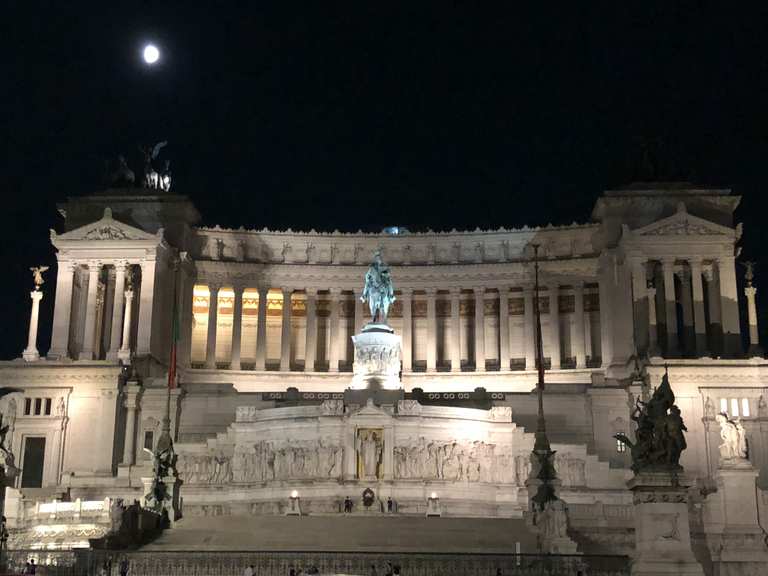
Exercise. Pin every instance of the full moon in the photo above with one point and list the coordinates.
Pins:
(151, 54)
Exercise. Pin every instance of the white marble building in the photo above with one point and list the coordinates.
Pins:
(265, 356)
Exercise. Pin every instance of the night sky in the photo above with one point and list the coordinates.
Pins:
(424, 114)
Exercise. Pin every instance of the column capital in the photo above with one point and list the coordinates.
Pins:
(94, 265)
(578, 286)
(214, 287)
(553, 288)
(696, 261)
(479, 291)
(430, 291)
(262, 290)
(456, 291)
(504, 290)
(668, 260)
(311, 292)
(336, 292)
(750, 291)
(405, 293)
(286, 290)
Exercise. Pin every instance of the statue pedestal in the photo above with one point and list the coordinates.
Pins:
(173, 485)
(377, 359)
(734, 537)
(662, 529)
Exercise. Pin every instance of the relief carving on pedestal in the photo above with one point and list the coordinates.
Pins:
(263, 462)
(420, 459)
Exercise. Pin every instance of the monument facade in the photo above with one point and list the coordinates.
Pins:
(329, 364)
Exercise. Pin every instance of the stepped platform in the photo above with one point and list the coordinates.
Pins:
(385, 533)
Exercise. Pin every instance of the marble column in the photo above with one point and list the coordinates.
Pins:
(729, 306)
(62, 310)
(118, 304)
(237, 327)
(754, 336)
(715, 327)
(431, 330)
(333, 324)
(213, 317)
(579, 345)
(479, 329)
(87, 353)
(456, 329)
(530, 329)
(686, 305)
(640, 302)
(261, 329)
(124, 354)
(310, 348)
(699, 318)
(670, 306)
(132, 391)
(407, 299)
(653, 328)
(285, 332)
(31, 353)
(359, 312)
(146, 302)
(554, 326)
(504, 356)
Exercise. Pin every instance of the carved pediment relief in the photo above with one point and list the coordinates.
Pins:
(107, 228)
(683, 224)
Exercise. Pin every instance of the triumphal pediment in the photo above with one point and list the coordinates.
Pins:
(683, 224)
(105, 229)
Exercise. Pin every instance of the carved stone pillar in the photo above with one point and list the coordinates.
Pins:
(407, 336)
(455, 329)
(87, 353)
(479, 329)
(640, 302)
(729, 306)
(715, 328)
(117, 311)
(285, 332)
(754, 336)
(504, 358)
(261, 329)
(132, 391)
(653, 328)
(310, 349)
(146, 302)
(554, 326)
(124, 354)
(686, 305)
(359, 312)
(579, 345)
(62, 310)
(333, 322)
(30, 353)
(213, 317)
(237, 327)
(530, 329)
(431, 330)
(670, 306)
(699, 318)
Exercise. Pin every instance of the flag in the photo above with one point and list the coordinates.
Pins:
(174, 340)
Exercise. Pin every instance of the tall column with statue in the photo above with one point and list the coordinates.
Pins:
(750, 291)
(30, 352)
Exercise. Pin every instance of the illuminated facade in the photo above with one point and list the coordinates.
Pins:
(265, 357)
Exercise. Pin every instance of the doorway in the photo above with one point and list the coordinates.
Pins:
(34, 460)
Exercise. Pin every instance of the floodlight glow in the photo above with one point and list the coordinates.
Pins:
(295, 494)
(151, 54)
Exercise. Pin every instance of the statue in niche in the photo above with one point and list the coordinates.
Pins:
(369, 449)
(378, 291)
(659, 439)
(733, 436)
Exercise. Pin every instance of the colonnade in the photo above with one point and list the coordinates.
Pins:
(95, 299)
(692, 306)
(406, 296)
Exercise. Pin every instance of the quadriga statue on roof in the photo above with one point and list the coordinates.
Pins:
(378, 290)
